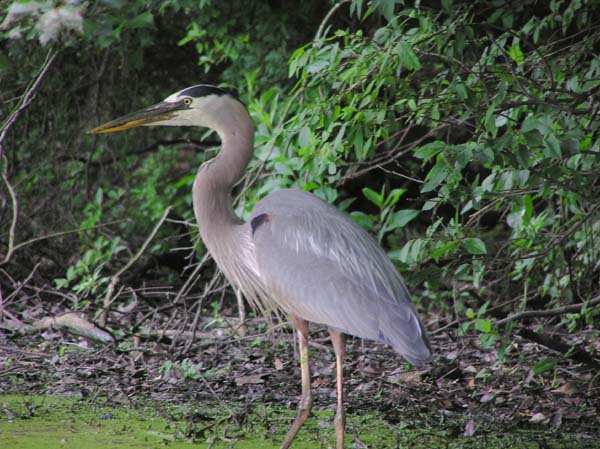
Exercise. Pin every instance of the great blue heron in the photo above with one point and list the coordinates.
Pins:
(296, 253)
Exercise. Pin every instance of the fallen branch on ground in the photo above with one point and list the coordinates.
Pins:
(72, 322)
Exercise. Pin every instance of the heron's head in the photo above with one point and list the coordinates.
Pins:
(201, 105)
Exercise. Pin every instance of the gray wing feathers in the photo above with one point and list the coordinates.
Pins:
(322, 267)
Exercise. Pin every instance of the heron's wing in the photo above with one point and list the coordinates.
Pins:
(322, 267)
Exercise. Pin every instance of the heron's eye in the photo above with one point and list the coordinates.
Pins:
(187, 101)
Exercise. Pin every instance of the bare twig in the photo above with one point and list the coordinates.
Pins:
(550, 312)
(15, 213)
(23, 103)
(390, 156)
(331, 12)
(26, 98)
(573, 352)
(207, 289)
(70, 231)
(18, 287)
(108, 299)
(172, 333)
(241, 329)
(562, 237)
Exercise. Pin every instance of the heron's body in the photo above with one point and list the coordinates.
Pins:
(296, 253)
(324, 268)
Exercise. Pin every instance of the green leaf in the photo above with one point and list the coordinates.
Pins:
(393, 197)
(407, 56)
(542, 366)
(143, 20)
(437, 253)
(345, 204)
(461, 91)
(304, 137)
(429, 150)
(316, 66)
(386, 8)
(436, 175)
(366, 221)
(4, 61)
(99, 196)
(185, 181)
(552, 147)
(490, 121)
(483, 325)
(373, 196)
(516, 54)
(430, 204)
(61, 283)
(488, 340)
(400, 218)
(474, 246)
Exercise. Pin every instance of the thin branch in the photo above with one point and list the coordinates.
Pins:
(15, 212)
(389, 156)
(557, 344)
(326, 19)
(71, 231)
(17, 288)
(23, 103)
(26, 98)
(108, 299)
(559, 240)
(572, 308)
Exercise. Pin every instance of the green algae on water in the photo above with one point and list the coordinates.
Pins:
(39, 422)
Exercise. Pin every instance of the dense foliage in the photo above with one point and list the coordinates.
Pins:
(463, 135)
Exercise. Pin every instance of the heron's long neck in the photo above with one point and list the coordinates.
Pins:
(212, 187)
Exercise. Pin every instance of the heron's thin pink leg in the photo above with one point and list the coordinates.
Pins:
(306, 400)
(339, 345)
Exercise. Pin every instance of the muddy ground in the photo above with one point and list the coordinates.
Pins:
(466, 391)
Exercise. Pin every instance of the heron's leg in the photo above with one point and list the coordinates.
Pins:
(339, 345)
(306, 400)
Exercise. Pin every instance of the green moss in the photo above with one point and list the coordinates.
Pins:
(59, 423)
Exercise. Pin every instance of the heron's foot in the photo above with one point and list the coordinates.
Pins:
(339, 423)
(304, 409)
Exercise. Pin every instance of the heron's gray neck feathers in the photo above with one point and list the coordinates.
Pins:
(222, 231)
(215, 179)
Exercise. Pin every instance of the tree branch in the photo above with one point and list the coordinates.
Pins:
(572, 308)
(26, 98)
(15, 212)
(108, 299)
(326, 19)
(23, 103)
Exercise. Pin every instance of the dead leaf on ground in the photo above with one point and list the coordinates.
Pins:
(405, 377)
(252, 379)
(568, 388)
(469, 428)
(487, 397)
(538, 418)
(278, 364)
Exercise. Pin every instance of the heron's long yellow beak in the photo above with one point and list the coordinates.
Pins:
(159, 112)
